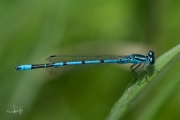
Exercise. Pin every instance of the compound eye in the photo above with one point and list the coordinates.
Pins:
(151, 59)
(151, 53)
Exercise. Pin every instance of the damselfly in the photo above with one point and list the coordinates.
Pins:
(64, 63)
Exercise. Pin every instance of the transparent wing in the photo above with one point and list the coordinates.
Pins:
(72, 68)
(66, 58)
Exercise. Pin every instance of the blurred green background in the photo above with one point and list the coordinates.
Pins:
(32, 30)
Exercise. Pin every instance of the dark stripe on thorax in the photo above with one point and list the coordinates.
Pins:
(140, 59)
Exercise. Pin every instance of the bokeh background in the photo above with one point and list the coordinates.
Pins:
(31, 30)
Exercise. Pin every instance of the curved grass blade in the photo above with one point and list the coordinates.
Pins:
(131, 92)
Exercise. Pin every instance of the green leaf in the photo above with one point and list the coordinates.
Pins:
(132, 91)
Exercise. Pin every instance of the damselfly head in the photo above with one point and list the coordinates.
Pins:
(151, 57)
